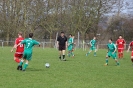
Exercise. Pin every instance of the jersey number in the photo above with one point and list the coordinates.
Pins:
(28, 45)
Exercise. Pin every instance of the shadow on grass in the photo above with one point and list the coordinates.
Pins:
(34, 69)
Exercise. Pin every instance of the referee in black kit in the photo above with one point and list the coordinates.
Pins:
(62, 45)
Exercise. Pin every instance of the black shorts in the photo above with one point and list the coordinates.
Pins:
(62, 47)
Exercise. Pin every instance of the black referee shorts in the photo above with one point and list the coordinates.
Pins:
(62, 47)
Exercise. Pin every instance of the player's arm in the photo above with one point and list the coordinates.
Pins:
(22, 42)
(124, 43)
(91, 42)
(116, 43)
(14, 45)
(57, 43)
(115, 48)
(37, 43)
(129, 47)
(66, 43)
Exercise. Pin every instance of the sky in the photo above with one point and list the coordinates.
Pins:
(127, 7)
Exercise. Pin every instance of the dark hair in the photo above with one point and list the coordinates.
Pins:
(30, 35)
(62, 32)
(20, 33)
(120, 35)
(70, 34)
(111, 39)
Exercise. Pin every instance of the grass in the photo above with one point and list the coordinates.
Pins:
(77, 72)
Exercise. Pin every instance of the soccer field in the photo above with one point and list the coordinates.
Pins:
(77, 72)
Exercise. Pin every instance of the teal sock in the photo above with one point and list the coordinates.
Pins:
(107, 61)
(118, 63)
(21, 63)
(72, 53)
(69, 54)
(94, 53)
(88, 53)
(25, 66)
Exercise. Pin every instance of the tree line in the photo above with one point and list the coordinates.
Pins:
(46, 17)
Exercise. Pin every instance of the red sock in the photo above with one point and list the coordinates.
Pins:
(119, 55)
(122, 55)
(17, 60)
(132, 60)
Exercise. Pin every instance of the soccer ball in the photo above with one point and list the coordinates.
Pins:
(47, 65)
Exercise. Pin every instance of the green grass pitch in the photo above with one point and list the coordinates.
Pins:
(77, 72)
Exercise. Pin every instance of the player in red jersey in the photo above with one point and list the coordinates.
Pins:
(19, 50)
(120, 46)
(131, 46)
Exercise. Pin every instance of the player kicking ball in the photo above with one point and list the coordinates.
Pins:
(93, 46)
(29, 43)
(120, 46)
(70, 45)
(19, 49)
(131, 46)
(111, 52)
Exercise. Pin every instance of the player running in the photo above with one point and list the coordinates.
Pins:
(131, 46)
(70, 45)
(19, 50)
(111, 52)
(120, 46)
(29, 43)
(93, 46)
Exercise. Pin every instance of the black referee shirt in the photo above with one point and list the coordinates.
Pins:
(62, 40)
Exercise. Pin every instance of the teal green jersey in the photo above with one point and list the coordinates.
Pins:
(93, 43)
(70, 41)
(111, 47)
(29, 43)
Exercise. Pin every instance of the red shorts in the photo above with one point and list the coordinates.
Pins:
(18, 55)
(132, 53)
(120, 50)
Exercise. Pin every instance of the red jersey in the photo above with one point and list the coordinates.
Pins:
(20, 48)
(131, 45)
(120, 43)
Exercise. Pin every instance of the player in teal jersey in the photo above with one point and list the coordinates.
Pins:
(27, 55)
(93, 46)
(70, 45)
(111, 52)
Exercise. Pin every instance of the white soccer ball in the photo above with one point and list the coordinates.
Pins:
(47, 65)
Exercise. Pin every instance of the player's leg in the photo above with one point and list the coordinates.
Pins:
(28, 58)
(72, 51)
(60, 51)
(25, 65)
(115, 58)
(106, 60)
(20, 64)
(63, 54)
(17, 57)
(95, 50)
(69, 51)
(132, 57)
(122, 53)
(60, 54)
(22, 61)
(89, 51)
(119, 53)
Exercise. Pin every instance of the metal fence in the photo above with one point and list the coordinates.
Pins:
(52, 44)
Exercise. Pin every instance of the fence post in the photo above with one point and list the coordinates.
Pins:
(43, 44)
(2, 44)
(78, 39)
